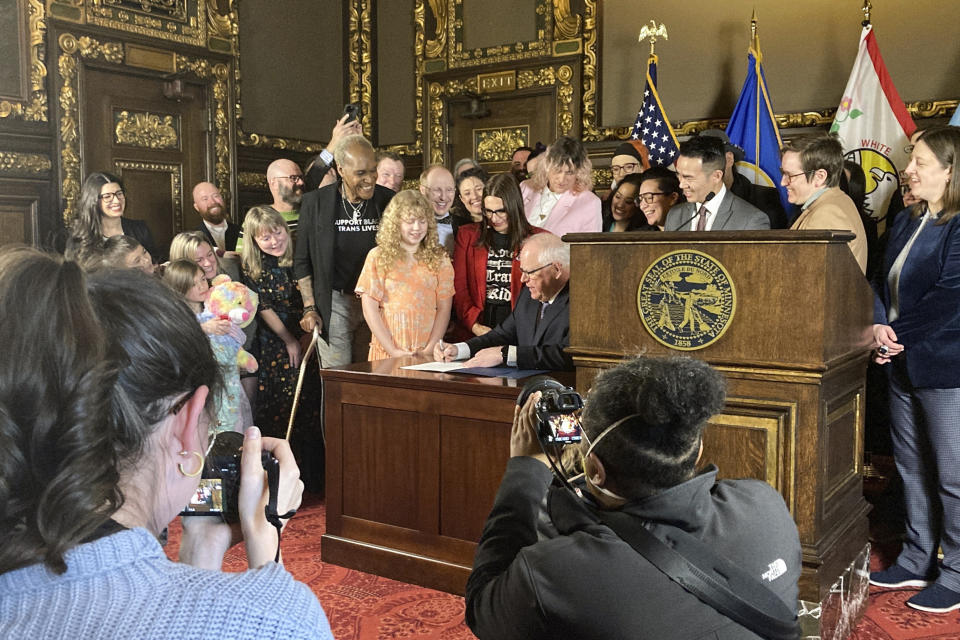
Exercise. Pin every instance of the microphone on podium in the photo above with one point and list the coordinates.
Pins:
(709, 197)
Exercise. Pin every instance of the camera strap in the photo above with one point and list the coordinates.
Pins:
(713, 579)
(270, 510)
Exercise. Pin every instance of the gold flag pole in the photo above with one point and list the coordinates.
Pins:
(867, 7)
(652, 32)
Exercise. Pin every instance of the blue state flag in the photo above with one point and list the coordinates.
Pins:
(753, 128)
(652, 126)
(955, 120)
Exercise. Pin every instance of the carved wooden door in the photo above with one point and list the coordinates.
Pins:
(513, 121)
(157, 145)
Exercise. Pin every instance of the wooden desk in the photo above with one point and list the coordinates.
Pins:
(414, 460)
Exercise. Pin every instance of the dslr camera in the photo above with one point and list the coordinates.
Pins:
(558, 410)
(220, 481)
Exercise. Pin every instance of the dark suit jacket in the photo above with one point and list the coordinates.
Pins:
(316, 239)
(929, 300)
(229, 238)
(766, 199)
(539, 346)
(734, 214)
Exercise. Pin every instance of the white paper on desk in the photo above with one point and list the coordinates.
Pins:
(439, 367)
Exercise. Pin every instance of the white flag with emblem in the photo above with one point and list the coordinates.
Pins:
(874, 126)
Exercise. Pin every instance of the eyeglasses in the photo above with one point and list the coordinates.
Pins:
(297, 178)
(524, 272)
(630, 167)
(108, 197)
(790, 176)
(495, 212)
(650, 196)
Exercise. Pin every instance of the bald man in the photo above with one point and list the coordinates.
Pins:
(285, 180)
(439, 188)
(338, 227)
(220, 231)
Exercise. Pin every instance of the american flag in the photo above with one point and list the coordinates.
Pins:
(652, 126)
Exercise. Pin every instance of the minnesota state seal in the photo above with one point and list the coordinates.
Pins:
(686, 300)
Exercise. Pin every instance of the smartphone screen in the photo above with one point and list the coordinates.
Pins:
(207, 499)
(565, 427)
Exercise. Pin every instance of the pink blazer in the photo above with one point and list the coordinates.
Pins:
(573, 213)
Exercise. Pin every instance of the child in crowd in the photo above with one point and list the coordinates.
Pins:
(406, 285)
(233, 409)
(267, 258)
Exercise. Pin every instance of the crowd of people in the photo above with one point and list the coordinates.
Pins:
(108, 435)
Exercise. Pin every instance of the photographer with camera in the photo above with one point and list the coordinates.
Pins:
(639, 519)
(106, 407)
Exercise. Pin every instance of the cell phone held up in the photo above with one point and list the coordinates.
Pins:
(217, 493)
(352, 111)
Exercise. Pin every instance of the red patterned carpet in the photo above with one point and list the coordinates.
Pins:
(361, 606)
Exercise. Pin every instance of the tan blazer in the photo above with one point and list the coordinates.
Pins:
(835, 210)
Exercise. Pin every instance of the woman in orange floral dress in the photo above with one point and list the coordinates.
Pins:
(406, 286)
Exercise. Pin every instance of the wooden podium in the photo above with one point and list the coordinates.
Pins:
(794, 352)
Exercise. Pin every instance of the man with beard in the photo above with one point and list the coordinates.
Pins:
(286, 186)
(338, 226)
(438, 187)
(221, 233)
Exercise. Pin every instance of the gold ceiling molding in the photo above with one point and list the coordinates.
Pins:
(34, 107)
(170, 20)
(566, 25)
(458, 56)
(558, 77)
(145, 129)
(176, 182)
(13, 163)
(274, 142)
(73, 49)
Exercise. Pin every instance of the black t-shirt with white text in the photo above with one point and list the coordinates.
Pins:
(499, 265)
(356, 234)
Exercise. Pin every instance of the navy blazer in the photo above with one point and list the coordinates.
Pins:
(539, 346)
(316, 240)
(928, 325)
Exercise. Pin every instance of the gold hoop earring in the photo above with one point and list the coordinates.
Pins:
(199, 469)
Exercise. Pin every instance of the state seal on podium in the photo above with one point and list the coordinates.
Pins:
(686, 300)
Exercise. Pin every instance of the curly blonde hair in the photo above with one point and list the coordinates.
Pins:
(565, 152)
(258, 219)
(405, 205)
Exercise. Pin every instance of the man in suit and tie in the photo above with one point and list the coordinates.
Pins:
(710, 206)
(534, 335)
(221, 233)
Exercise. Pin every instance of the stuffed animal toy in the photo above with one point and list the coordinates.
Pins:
(229, 300)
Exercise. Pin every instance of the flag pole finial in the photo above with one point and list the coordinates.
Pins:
(652, 32)
(754, 40)
(867, 7)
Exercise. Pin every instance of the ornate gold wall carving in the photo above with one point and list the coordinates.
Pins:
(359, 63)
(497, 144)
(170, 20)
(551, 76)
(13, 163)
(251, 180)
(73, 49)
(176, 182)
(416, 147)
(460, 57)
(438, 43)
(566, 25)
(145, 129)
(34, 108)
